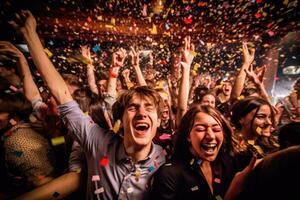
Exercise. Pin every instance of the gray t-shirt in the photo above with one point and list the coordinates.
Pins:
(111, 172)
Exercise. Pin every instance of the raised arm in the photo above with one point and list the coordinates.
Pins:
(51, 77)
(118, 59)
(187, 59)
(30, 89)
(136, 66)
(85, 51)
(248, 57)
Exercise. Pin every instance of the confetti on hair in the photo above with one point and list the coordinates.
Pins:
(117, 126)
(258, 130)
(151, 168)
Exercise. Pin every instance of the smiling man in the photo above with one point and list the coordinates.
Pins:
(120, 166)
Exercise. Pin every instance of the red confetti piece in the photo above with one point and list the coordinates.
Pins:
(165, 137)
(271, 33)
(201, 4)
(188, 20)
(89, 19)
(217, 180)
(257, 15)
(104, 161)
(258, 1)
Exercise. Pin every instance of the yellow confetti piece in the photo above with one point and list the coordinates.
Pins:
(86, 113)
(117, 126)
(219, 197)
(57, 140)
(49, 54)
(109, 26)
(250, 142)
(286, 2)
(241, 97)
(78, 170)
(259, 149)
(258, 130)
(193, 53)
(100, 18)
(113, 21)
(196, 66)
(192, 161)
(153, 31)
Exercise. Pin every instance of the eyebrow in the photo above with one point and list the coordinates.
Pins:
(199, 124)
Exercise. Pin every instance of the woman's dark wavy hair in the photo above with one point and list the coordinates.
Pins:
(241, 108)
(15, 105)
(182, 145)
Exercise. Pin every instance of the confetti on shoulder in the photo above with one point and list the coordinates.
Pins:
(58, 140)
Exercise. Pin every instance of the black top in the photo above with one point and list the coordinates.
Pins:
(275, 177)
(183, 179)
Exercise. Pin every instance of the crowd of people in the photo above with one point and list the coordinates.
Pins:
(184, 136)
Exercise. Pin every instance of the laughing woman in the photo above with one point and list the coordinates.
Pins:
(253, 118)
(203, 162)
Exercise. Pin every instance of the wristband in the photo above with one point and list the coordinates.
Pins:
(112, 74)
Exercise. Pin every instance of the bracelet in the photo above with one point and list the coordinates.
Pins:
(112, 74)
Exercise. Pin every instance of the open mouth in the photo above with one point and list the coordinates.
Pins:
(141, 127)
(209, 147)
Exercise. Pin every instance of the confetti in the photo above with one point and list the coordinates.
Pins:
(217, 180)
(48, 52)
(117, 125)
(151, 168)
(104, 161)
(95, 178)
(99, 190)
(195, 188)
(58, 140)
(18, 153)
(258, 130)
(129, 190)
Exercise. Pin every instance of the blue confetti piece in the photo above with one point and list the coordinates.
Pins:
(18, 153)
(151, 168)
(96, 48)
(51, 42)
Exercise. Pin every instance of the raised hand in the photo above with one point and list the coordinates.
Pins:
(86, 53)
(118, 58)
(134, 57)
(187, 53)
(248, 54)
(253, 76)
(24, 22)
(6, 48)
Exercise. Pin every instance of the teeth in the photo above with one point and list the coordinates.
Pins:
(209, 145)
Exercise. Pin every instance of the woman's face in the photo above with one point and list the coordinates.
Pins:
(209, 100)
(262, 121)
(206, 137)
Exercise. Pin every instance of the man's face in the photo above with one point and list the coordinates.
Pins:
(140, 122)
(226, 89)
(102, 85)
(4, 120)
